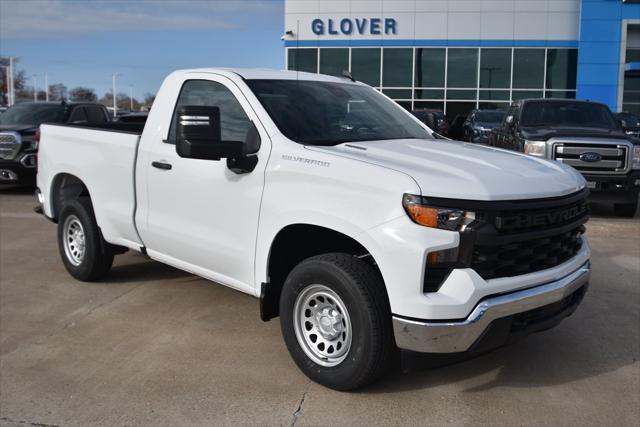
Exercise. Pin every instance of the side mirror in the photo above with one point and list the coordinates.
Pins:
(509, 121)
(198, 135)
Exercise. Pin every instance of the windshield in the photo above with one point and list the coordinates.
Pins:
(326, 113)
(567, 113)
(489, 116)
(32, 114)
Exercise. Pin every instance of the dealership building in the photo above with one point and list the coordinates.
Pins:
(457, 55)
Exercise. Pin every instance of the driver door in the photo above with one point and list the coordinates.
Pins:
(201, 216)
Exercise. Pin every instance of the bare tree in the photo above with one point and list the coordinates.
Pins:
(58, 92)
(84, 94)
(19, 82)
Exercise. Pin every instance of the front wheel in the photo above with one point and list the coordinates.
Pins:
(336, 321)
(85, 254)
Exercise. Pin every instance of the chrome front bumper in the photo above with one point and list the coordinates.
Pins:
(458, 336)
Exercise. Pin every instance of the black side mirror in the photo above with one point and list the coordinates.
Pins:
(509, 121)
(198, 135)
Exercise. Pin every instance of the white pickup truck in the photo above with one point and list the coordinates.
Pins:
(349, 219)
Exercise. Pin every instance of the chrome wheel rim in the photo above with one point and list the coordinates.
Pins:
(74, 240)
(322, 325)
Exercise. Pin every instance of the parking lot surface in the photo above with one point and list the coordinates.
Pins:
(156, 346)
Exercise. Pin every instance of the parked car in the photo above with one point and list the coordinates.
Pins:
(356, 236)
(434, 119)
(19, 134)
(456, 130)
(479, 124)
(581, 134)
(630, 123)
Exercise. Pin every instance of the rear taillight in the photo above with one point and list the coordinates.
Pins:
(36, 139)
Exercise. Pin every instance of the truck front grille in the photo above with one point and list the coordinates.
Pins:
(593, 158)
(9, 145)
(527, 256)
(522, 237)
(514, 237)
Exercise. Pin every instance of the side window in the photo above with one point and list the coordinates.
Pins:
(234, 123)
(95, 114)
(78, 115)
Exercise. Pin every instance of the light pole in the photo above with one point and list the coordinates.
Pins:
(131, 98)
(35, 92)
(10, 83)
(10, 89)
(115, 104)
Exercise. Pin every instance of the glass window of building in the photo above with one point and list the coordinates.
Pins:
(397, 64)
(494, 95)
(334, 61)
(462, 68)
(528, 68)
(365, 65)
(525, 94)
(429, 94)
(430, 66)
(495, 68)
(562, 65)
(303, 60)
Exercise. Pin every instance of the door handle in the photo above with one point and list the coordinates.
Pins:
(161, 165)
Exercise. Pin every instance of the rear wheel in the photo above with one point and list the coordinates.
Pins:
(336, 321)
(85, 254)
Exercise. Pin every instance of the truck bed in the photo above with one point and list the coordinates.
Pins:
(103, 157)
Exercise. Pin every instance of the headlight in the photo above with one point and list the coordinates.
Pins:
(436, 217)
(635, 160)
(535, 148)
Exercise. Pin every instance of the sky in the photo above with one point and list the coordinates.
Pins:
(84, 42)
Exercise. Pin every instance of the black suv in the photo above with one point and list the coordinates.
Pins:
(581, 134)
(19, 134)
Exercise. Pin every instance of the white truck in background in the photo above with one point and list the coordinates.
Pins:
(345, 215)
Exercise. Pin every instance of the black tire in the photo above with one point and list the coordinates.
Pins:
(625, 210)
(98, 254)
(362, 291)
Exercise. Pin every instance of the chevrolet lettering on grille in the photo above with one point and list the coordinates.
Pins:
(542, 219)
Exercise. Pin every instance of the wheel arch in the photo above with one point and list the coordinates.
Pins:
(65, 186)
(295, 243)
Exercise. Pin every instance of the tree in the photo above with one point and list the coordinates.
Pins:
(57, 92)
(84, 94)
(122, 99)
(148, 99)
(19, 82)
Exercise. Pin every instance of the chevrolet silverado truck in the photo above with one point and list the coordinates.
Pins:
(19, 134)
(581, 134)
(331, 204)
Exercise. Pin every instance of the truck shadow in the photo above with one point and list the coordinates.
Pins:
(138, 268)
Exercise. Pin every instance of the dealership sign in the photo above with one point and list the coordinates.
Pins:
(348, 26)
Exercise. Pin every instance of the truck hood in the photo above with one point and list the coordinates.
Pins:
(458, 170)
(19, 128)
(543, 133)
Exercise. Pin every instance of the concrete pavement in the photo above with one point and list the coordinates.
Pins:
(156, 346)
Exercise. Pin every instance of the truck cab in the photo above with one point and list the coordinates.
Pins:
(581, 134)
